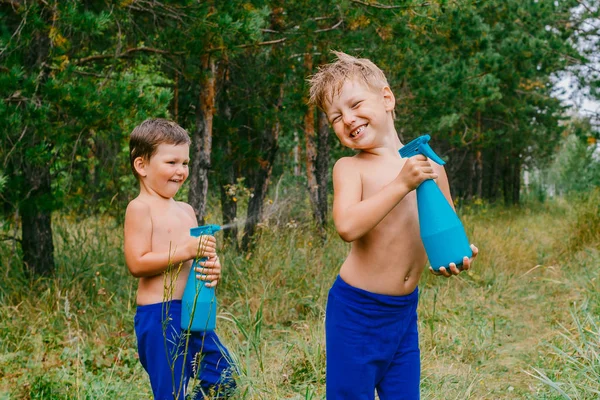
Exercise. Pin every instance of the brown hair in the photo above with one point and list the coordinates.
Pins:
(146, 137)
(330, 78)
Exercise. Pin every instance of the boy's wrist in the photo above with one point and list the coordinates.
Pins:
(402, 189)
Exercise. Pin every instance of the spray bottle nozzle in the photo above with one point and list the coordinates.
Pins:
(205, 230)
(420, 145)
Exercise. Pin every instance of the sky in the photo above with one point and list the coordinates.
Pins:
(573, 95)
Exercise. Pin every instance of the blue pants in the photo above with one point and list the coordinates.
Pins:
(161, 347)
(372, 344)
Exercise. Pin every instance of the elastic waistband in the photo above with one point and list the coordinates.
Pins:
(374, 301)
(172, 306)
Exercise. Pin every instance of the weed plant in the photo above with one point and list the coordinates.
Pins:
(522, 324)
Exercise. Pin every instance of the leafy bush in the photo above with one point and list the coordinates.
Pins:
(576, 167)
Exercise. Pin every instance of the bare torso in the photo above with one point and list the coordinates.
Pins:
(390, 258)
(171, 223)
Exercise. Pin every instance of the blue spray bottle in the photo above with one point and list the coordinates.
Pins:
(199, 303)
(442, 233)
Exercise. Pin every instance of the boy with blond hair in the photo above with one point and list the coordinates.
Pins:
(371, 318)
(157, 241)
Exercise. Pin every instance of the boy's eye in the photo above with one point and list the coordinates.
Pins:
(335, 119)
(356, 104)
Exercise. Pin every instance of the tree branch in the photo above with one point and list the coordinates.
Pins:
(244, 46)
(386, 7)
(267, 43)
(8, 237)
(13, 3)
(14, 146)
(330, 28)
(126, 53)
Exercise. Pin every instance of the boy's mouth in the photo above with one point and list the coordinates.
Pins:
(357, 131)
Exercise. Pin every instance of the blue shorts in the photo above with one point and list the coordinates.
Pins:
(161, 347)
(372, 344)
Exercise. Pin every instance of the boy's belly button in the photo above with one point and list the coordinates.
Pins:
(406, 278)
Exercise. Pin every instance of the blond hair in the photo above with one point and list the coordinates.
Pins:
(330, 78)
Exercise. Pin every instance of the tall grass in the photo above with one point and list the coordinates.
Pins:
(522, 324)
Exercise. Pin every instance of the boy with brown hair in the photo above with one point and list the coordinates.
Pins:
(156, 242)
(371, 317)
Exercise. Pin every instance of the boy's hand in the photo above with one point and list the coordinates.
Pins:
(454, 270)
(210, 271)
(416, 170)
(203, 246)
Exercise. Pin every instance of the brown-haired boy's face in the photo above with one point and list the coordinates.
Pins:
(166, 171)
(359, 114)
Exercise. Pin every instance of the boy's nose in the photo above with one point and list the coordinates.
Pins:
(349, 118)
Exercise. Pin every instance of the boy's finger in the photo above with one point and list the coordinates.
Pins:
(454, 269)
(466, 263)
(475, 250)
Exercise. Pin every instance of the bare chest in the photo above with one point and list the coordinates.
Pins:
(404, 216)
(170, 228)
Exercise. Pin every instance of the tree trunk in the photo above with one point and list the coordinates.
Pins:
(228, 177)
(202, 139)
(506, 180)
(312, 155)
(311, 158)
(36, 221)
(493, 175)
(516, 181)
(470, 177)
(228, 203)
(322, 169)
(269, 146)
(37, 204)
(479, 174)
(297, 151)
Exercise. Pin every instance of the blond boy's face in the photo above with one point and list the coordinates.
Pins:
(359, 114)
(166, 170)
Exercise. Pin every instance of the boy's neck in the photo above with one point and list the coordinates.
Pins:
(145, 193)
(387, 146)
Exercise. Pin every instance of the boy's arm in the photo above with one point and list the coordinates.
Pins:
(355, 217)
(140, 258)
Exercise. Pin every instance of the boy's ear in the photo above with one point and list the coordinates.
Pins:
(140, 166)
(388, 98)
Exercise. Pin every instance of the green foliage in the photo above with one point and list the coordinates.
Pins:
(71, 336)
(2, 181)
(587, 222)
(66, 113)
(575, 353)
(576, 166)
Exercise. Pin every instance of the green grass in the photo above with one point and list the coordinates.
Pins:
(522, 324)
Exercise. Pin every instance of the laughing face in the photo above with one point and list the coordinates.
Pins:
(166, 170)
(359, 113)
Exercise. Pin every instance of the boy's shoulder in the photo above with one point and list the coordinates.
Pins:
(349, 164)
(141, 212)
(346, 170)
(186, 207)
(137, 206)
(346, 161)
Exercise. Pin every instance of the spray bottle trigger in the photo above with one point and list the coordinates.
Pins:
(429, 153)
